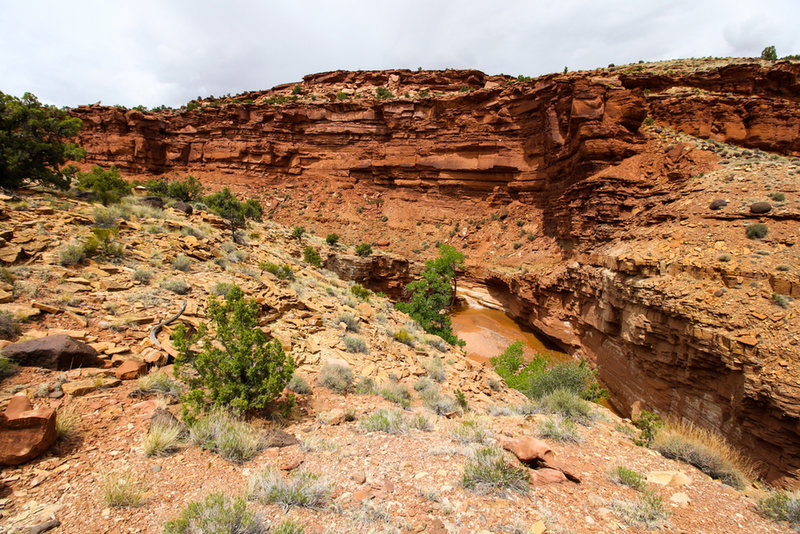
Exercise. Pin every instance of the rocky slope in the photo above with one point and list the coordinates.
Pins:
(582, 201)
(377, 481)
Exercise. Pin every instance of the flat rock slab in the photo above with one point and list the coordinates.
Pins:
(53, 352)
(84, 387)
(130, 369)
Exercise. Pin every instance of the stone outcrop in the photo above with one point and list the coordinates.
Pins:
(58, 351)
(25, 432)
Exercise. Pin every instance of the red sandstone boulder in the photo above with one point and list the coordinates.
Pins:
(537, 454)
(25, 432)
(53, 352)
(130, 369)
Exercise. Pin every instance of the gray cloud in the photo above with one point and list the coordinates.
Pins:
(155, 52)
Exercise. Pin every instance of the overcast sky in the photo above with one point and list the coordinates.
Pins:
(156, 52)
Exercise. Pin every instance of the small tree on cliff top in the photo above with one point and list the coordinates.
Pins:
(34, 143)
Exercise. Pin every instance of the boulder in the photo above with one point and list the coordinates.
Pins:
(153, 201)
(83, 387)
(537, 454)
(760, 207)
(53, 352)
(718, 204)
(184, 207)
(130, 369)
(25, 432)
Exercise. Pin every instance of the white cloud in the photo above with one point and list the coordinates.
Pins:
(155, 52)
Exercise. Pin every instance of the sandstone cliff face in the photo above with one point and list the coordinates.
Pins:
(620, 255)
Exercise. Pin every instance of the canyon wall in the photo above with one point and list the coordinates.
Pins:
(572, 155)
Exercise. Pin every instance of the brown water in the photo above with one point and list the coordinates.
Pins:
(489, 332)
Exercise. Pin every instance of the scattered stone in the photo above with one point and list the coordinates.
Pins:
(130, 370)
(359, 477)
(680, 498)
(52, 352)
(668, 478)
(278, 438)
(83, 387)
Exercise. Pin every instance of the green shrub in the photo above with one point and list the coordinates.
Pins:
(332, 239)
(102, 242)
(9, 325)
(182, 262)
(364, 249)
(237, 365)
(142, 275)
(540, 376)
(216, 514)
(188, 190)
(435, 369)
(403, 337)
(284, 272)
(341, 95)
(35, 142)
(778, 197)
(420, 422)
(756, 231)
(649, 424)
(558, 429)
(176, 285)
(487, 471)
(781, 300)
(470, 431)
(300, 488)
(287, 527)
(365, 386)
(7, 367)
(567, 404)
(360, 292)
(628, 477)
(355, 344)
(389, 421)
(397, 393)
(227, 436)
(311, 256)
(299, 385)
(350, 321)
(769, 53)
(229, 207)
(158, 382)
(337, 377)
(106, 185)
(298, 232)
(70, 254)
(781, 506)
(648, 511)
(383, 93)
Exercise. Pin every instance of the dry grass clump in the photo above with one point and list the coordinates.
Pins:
(158, 381)
(229, 437)
(557, 428)
(67, 419)
(162, 439)
(122, 489)
(628, 477)
(337, 377)
(470, 431)
(300, 488)
(705, 450)
(647, 511)
(781, 506)
(389, 421)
